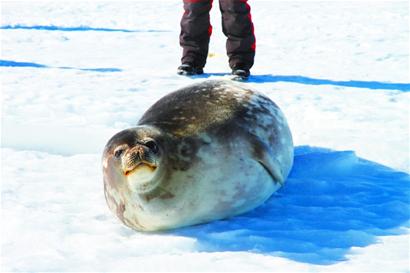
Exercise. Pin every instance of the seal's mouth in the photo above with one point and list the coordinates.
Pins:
(139, 158)
(141, 177)
(141, 165)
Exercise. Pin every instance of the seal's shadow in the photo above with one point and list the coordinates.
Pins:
(331, 202)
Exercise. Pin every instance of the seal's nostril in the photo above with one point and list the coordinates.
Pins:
(133, 157)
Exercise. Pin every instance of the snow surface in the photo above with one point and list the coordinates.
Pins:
(75, 73)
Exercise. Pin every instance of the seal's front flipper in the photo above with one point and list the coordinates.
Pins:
(264, 155)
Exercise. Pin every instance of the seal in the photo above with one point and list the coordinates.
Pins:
(205, 152)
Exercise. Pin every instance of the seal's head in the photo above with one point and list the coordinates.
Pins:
(133, 158)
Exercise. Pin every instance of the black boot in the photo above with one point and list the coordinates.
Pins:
(189, 70)
(241, 74)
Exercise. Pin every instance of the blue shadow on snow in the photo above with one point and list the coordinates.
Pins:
(79, 28)
(5, 63)
(332, 201)
(312, 81)
(404, 87)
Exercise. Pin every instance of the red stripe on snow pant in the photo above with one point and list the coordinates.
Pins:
(253, 46)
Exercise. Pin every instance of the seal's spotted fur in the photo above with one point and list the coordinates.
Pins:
(223, 150)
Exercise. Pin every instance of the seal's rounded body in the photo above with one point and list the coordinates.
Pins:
(205, 152)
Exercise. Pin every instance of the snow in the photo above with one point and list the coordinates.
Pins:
(75, 73)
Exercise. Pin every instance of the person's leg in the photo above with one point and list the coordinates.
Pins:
(238, 27)
(195, 32)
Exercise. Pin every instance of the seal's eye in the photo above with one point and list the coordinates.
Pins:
(118, 152)
(152, 146)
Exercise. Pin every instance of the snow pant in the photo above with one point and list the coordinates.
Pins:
(236, 25)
